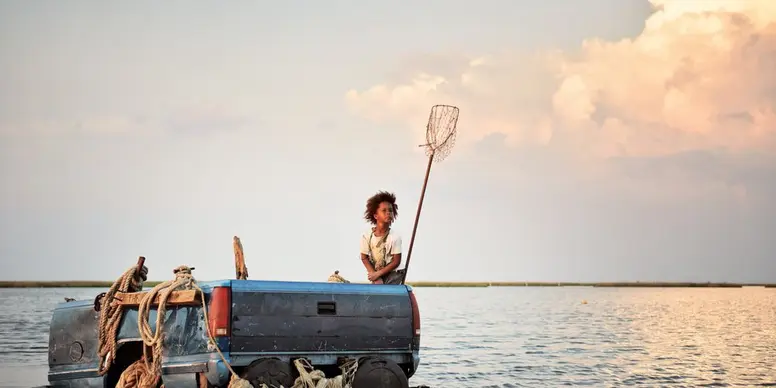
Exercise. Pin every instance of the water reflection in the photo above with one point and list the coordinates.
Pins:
(532, 337)
(622, 337)
(722, 336)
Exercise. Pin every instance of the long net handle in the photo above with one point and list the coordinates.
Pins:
(417, 217)
(440, 137)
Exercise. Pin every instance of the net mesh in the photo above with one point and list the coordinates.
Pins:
(440, 131)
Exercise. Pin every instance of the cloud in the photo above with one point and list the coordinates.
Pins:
(699, 76)
(504, 94)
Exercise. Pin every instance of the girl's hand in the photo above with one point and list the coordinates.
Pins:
(373, 276)
(378, 281)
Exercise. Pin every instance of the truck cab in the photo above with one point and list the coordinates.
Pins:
(261, 327)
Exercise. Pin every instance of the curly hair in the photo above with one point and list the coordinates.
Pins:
(374, 202)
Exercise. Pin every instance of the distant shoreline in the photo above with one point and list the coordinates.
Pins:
(107, 284)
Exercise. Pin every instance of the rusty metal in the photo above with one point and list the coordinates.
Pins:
(141, 276)
(97, 304)
(98, 300)
(440, 139)
(140, 262)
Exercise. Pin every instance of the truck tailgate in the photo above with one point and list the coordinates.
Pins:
(319, 317)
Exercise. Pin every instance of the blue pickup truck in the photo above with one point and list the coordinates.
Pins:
(261, 328)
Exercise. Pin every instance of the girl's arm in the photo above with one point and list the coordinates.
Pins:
(367, 264)
(395, 262)
(364, 248)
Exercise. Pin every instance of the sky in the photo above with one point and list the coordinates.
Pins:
(603, 140)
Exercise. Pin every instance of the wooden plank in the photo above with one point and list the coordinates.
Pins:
(241, 271)
(176, 298)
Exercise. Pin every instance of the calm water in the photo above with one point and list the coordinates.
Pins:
(533, 337)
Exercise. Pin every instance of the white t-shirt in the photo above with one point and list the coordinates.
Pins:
(369, 245)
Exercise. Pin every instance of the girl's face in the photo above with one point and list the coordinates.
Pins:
(384, 213)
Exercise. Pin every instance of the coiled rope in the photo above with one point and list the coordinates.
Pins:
(314, 378)
(110, 315)
(337, 278)
(147, 371)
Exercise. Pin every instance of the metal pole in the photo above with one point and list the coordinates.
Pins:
(417, 216)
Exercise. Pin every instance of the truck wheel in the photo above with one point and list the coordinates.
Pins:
(269, 371)
(375, 372)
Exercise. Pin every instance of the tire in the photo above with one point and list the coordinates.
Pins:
(269, 371)
(376, 372)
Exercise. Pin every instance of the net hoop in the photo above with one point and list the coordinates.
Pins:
(441, 131)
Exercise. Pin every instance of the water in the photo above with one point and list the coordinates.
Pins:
(532, 337)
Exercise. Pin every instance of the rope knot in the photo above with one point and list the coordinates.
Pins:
(182, 271)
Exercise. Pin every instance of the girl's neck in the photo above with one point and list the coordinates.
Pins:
(381, 229)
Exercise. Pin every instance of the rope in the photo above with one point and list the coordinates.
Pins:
(337, 278)
(314, 378)
(136, 375)
(147, 371)
(155, 339)
(110, 316)
(378, 261)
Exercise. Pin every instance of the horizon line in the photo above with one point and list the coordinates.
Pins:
(420, 283)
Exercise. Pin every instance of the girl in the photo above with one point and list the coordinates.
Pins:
(381, 246)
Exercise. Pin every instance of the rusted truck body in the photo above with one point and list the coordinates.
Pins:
(260, 327)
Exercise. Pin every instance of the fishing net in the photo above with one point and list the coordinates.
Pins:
(440, 138)
(441, 131)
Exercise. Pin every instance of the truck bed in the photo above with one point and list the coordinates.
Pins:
(281, 320)
(288, 318)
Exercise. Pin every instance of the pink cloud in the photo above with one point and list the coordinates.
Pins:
(699, 75)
